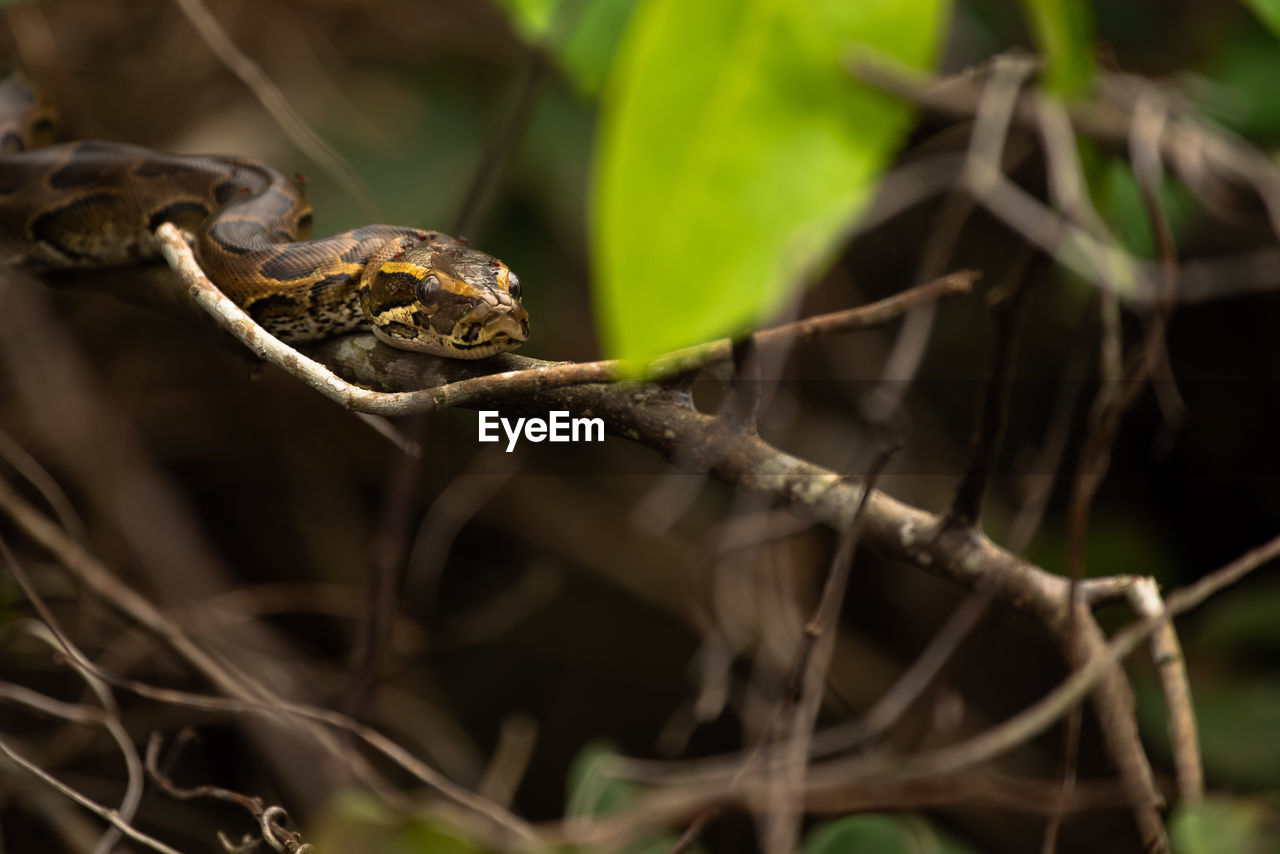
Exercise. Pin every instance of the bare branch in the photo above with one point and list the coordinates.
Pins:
(246, 698)
(966, 508)
(1042, 714)
(105, 813)
(538, 377)
(275, 102)
(800, 706)
(1166, 652)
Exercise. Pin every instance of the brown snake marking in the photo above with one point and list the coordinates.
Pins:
(97, 204)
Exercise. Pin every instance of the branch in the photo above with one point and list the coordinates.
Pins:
(1038, 717)
(241, 696)
(456, 383)
(655, 417)
(105, 813)
(1203, 155)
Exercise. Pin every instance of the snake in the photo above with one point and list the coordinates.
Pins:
(94, 204)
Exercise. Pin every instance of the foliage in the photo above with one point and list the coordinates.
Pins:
(586, 51)
(1268, 11)
(1241, 826)
(1064, 31)
(593, 792)
(880, 834)
(357, 822)
(735, 151)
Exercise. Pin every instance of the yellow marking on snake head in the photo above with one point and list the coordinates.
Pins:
(443, 297)
(416, 270)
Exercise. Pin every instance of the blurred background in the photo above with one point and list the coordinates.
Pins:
(562, 601)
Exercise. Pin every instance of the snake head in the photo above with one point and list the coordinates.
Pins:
(431, 293)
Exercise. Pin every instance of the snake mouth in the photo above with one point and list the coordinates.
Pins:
(494, 326)
(478, 338)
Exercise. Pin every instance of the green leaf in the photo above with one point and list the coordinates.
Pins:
(735, 152)
(357, 822)
(880, 834)
(1119, 200)
(582, 35)
(1242, 71)
(1238, 825)
(590, 49)
(1064, 31)
(1237, 717)
(1268, 11)
(1241, 622)
(530, 18)
(593, 790)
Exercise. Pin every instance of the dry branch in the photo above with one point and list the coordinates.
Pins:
(651, 415)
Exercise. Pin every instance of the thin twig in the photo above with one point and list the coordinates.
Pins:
(269, 819)
(110, 720)
(1202, 154)
(973, 790)
(509, 127)
(1036, 718)
(35, 474)
(275, 102)
(808, 675)
(693, 831)
(105, 813)
(1111, 408)
(1166, 652)
(385, 582)
(251, 803)
(966, 508)
(910, 685)
(517, 737)
(1038, 482)
(259, 701)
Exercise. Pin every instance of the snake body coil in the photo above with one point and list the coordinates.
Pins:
(97, 204)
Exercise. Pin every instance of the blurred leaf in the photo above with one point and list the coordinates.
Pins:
(531, 18)
(1064, 31)
(1120, 203)
(1241, 620)
(357, 823)
(1238, 825)
(1238, 85)
(589, 53)
(874, 834)
(1237, 718)
(1238, 729)
(735, 151)
(880, 834)
(591, 30)
(442, 162)
(1119, 542)
(1268, 11)
(593, 791)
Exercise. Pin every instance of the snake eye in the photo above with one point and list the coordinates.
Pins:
(426, 287)
(513, 286)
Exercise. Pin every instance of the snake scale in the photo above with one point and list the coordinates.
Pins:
(94, 204)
